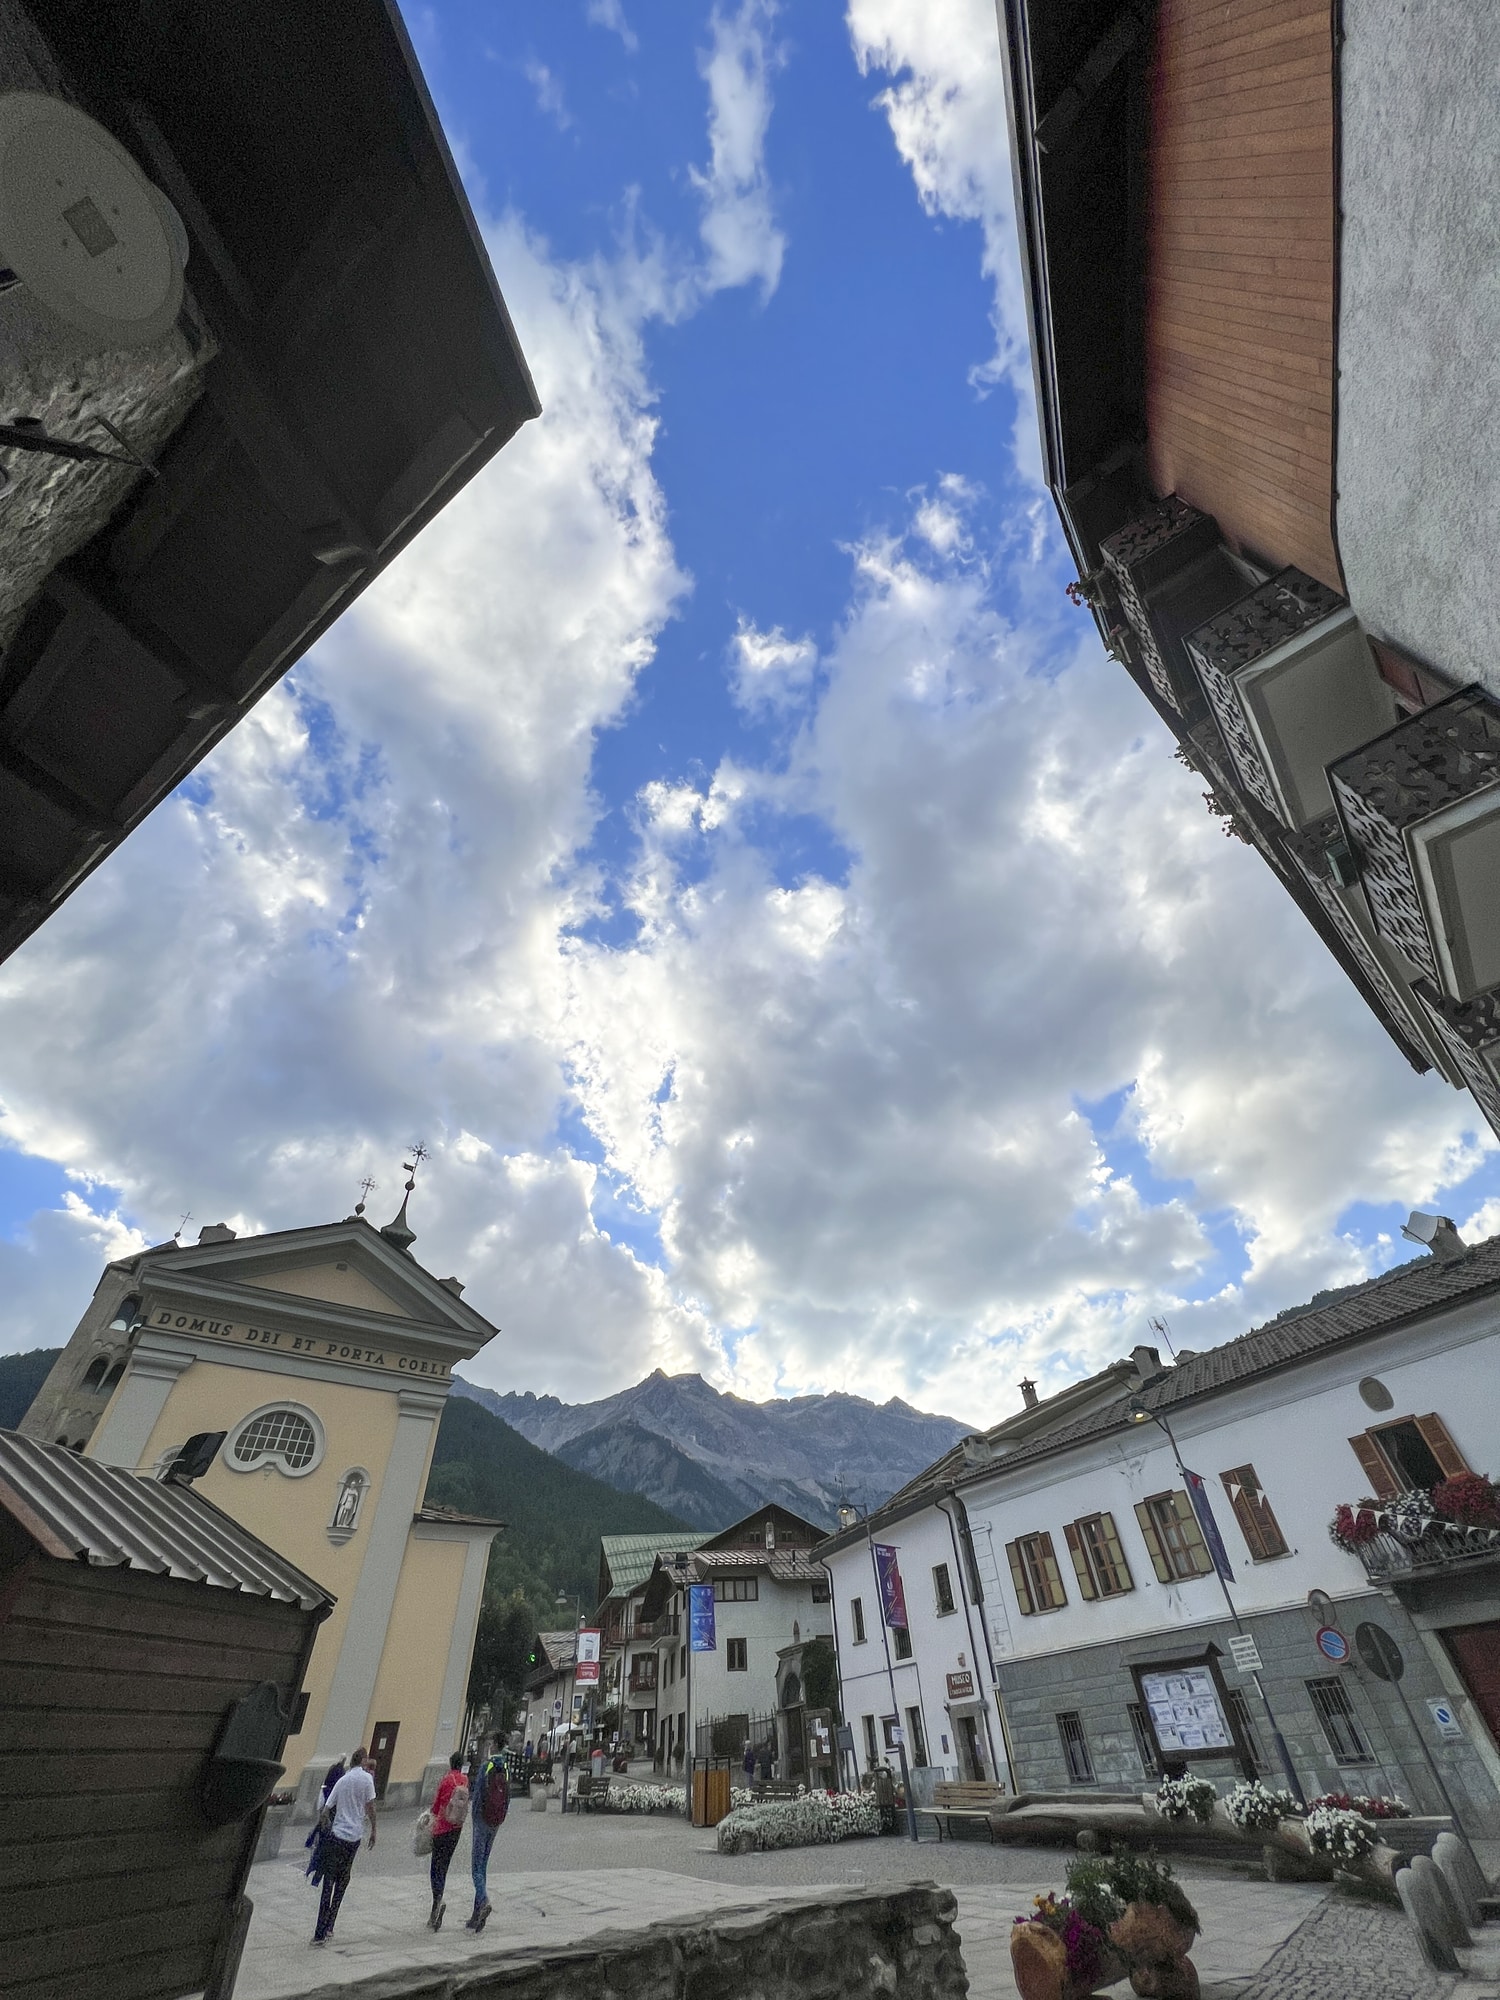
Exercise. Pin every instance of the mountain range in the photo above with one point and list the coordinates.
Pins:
(709, 1458)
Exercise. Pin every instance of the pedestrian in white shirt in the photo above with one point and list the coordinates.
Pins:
(350, 1812)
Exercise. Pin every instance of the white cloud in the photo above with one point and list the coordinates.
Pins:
(738, 226)
(767, 669)
(547, 86)
(610, 14)
(946, 109)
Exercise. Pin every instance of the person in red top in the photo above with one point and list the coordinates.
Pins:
(450, 1807)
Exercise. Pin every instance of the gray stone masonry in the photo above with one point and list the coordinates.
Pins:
(1096, 1683)
(1349, 1951)
(898, 1942)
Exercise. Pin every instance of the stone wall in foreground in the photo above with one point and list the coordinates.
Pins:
(847, 1943)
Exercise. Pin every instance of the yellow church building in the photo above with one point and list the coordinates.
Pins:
(325, 1355)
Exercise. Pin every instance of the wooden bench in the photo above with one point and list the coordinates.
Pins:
(776, 1788)
(964, 1801)
(592, 1792)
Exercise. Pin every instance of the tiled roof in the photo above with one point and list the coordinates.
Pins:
(78, 1510)
(629, 1558)
(783, 1565)
(1409, 1292)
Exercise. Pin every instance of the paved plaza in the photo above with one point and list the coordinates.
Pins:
(557, 1881)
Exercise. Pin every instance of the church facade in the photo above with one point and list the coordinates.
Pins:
(325, 1355)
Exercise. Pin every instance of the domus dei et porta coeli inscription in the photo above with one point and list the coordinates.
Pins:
(325, 1355)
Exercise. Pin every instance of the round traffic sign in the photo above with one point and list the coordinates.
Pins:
(1332, 1644)
(1379, 1652)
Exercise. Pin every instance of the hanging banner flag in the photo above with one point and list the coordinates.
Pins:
(1198, 1495)
(586, 1671)
(701, 1618)
(892, 1596)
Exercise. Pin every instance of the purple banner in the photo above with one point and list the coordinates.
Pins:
(1198, 1495)
(892, 1596)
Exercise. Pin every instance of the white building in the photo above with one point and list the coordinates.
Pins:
(770, 1599)
(1080, 1576)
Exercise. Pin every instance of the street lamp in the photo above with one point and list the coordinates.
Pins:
(1140, 1413)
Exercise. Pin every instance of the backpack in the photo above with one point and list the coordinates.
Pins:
(494, 1794)
(457, 1809)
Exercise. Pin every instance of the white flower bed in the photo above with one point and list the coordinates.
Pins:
(643, 1798)
(1255, 1808)
(1177, 1797)
(1343, 1836)
(814, 1820)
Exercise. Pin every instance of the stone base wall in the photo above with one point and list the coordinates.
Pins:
(847, 1944)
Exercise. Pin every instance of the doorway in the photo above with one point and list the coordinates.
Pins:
(382, 1751)
(970, 1756)
(1476, 1654)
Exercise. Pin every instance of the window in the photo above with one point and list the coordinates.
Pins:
(115, 1376)
(737, 1590)
(888, 1731)
(738, 1656)
(283, 1436)
(1259, 1526)
(1034, 1571)
(857, 1619)
(942, 1590)
(903, 1642)
(1075, 1748)
(1330, 1700)
(1173, 1537)
(916, 1737)
(95, 1373)
(821, 1590)
(681, 1661)
(1145, 1742)
(1244, 1722)
(872, 1750)
(1411, 1454)
(1097, 1557)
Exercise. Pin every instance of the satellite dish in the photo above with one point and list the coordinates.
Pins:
(82, 228)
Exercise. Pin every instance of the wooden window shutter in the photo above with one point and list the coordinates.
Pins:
(1372, 1461)
(1056, 1595)
(1086, 1587)
(1116, 1552)
(1153, 1543)
(1258, 1524)
(1192, 1534)
(1444, 1450)
(1018, 1577)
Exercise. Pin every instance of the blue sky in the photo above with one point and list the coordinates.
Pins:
(717, 837)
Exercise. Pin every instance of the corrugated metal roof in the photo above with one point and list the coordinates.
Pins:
(81, 1511)
(629, 1558)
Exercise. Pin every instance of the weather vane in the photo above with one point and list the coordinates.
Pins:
(419, 1153)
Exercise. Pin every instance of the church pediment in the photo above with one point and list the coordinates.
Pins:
(347, 1267)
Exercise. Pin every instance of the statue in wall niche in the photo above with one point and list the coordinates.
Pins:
(346, 1513)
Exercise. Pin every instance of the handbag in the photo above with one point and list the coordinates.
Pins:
(421, 1834)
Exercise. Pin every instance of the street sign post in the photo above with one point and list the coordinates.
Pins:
(1445, 1716)
(1244, 1652)
(1380, 1652)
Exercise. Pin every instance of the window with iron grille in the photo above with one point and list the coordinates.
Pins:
(942, 1590)
(902, 1640)
(1145, 1742)
(1259, 1526)
(1244, 1722)
(1075, 1747)
(737, 1656)
(1331, 1703)
(857, 1619)
(284, 1436)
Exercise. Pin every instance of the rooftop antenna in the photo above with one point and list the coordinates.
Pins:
(1164, 1332)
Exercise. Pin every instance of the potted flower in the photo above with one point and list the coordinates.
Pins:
(1256, 1808)
(1469, 1500)
(1056, 1953)
(1156, 1930)
(1344, 1836)
(1353, 1527)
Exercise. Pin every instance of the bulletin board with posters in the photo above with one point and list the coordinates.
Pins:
(1187, 1706)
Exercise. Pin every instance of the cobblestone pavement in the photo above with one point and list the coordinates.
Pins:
(554, 1880)
(1359, 1950)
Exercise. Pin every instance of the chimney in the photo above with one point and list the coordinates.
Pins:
(1028, 1395)
(1436, 1233)
(1147, 1362)
(216, 1232)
